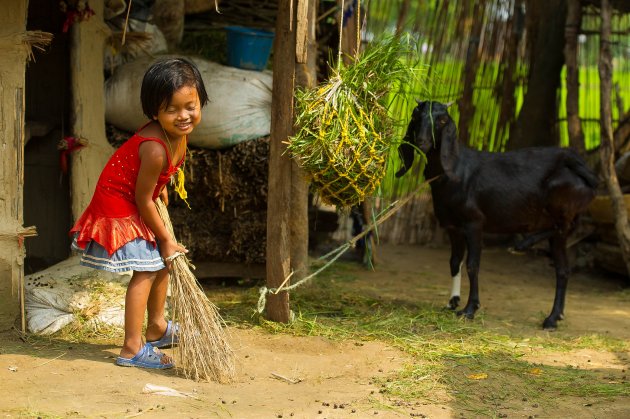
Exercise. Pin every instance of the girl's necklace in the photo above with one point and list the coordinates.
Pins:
(168, 141)
(179, 180)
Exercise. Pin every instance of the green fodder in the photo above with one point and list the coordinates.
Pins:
(345, 130)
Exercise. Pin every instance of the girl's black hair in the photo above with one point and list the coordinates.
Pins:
(164, 78)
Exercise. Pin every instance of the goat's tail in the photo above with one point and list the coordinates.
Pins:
(579, 167)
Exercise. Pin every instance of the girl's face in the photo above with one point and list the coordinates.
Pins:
(182, 114)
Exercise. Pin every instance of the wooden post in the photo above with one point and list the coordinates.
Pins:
(607, 154)
(306, 76)
(571, 30)
(279, 194)
(88, 107)
(12, 71)
(403, 13)
(349, 36)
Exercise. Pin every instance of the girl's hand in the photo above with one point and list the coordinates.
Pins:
(169, 248)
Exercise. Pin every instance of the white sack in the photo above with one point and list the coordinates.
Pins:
(55, 296)
(239, 108)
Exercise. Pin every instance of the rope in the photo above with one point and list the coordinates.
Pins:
(336, 253)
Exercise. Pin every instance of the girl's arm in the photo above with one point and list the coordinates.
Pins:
(152, 161)
(164, 195)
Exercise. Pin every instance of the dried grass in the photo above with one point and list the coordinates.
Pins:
(204, 352)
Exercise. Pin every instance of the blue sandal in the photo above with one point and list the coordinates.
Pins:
(170, 338)
(147, 357)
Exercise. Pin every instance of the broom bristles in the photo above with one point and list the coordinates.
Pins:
(203, 352)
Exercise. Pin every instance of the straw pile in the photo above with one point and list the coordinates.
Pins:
(204, 352)
(345, 130)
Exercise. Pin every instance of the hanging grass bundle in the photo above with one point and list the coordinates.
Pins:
(345, 131)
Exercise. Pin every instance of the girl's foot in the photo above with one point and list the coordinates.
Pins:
(147, 357)
(155, 331)
(170, 337)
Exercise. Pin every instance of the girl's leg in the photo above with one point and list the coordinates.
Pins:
(138, 292)
(156, 324)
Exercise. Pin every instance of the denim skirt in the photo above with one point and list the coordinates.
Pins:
(136, 255)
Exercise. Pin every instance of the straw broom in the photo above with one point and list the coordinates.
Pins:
(204, 352)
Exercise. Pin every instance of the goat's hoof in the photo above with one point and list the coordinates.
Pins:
(550, 324)
(466, 314)
(453, 303)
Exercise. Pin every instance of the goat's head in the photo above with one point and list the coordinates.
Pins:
(431, 127)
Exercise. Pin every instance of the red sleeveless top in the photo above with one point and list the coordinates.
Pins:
(112, 218)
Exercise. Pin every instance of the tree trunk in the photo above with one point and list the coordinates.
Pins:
(607, 154)
(536, 122)
(279, 194)
(572, 28)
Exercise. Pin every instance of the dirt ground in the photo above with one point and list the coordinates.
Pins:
(283, 376)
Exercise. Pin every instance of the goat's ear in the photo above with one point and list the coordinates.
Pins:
(407, 153)
(449, 149)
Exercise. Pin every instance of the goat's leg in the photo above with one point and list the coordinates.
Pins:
(458, 247)
(558, 244)
(473, 241)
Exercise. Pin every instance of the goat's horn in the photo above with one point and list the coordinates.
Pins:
(448, 105)
(418, 101)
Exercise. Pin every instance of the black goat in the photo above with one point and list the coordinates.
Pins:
(536, 190)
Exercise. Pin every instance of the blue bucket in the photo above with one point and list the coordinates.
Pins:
(248, 48)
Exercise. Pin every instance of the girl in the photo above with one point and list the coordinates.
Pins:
(121, 230)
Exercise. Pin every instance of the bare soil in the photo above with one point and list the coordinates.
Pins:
(313, 377)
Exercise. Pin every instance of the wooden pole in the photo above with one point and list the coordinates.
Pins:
(571, 30)
(88, 107)
(306, 76)
(465, 104)
(607, 154)
(279, 194)
(12, 83)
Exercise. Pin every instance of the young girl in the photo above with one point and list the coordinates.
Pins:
(121, 230)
